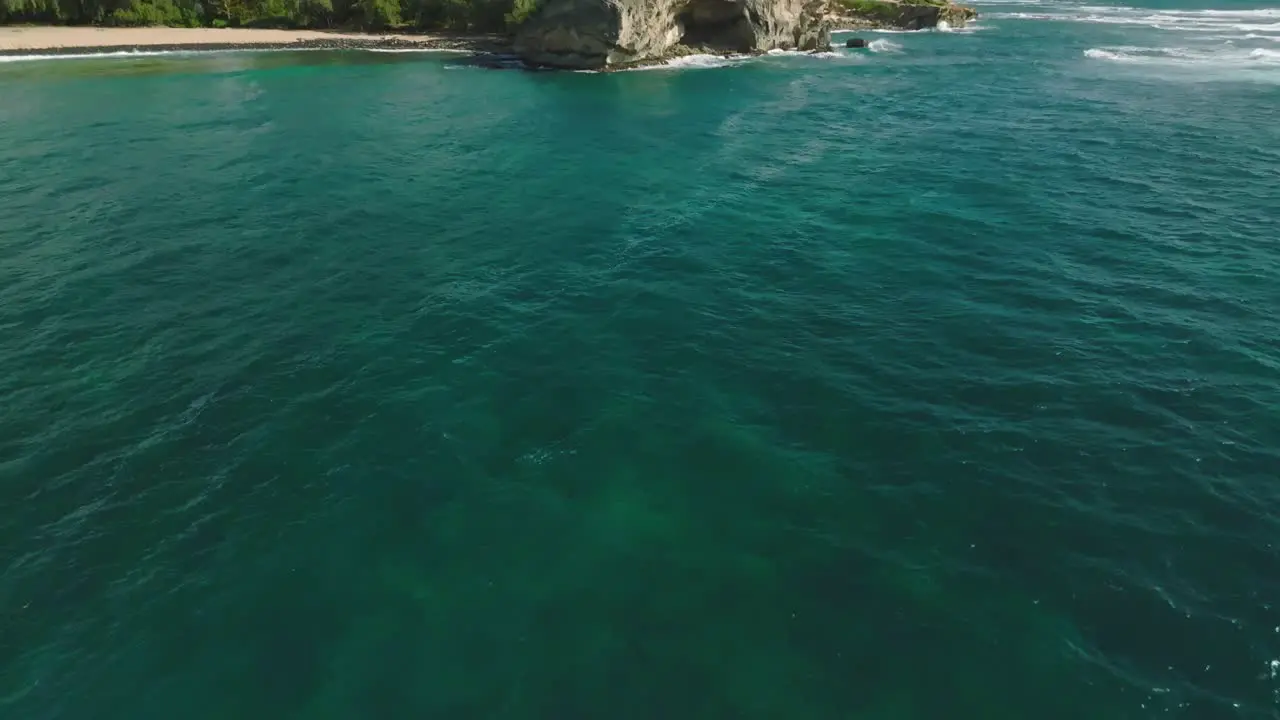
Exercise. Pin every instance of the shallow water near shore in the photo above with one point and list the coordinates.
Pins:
(936, 380)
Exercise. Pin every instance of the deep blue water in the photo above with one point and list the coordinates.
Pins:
(937, 381)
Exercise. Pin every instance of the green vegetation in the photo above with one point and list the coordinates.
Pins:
(453, 15)
(886, 12)
(878, 9)
(885, 9)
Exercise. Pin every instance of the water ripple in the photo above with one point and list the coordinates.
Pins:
(796, 380)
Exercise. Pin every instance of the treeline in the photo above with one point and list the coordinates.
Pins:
(453, 15)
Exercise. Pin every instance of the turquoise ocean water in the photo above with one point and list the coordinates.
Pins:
(939, 381)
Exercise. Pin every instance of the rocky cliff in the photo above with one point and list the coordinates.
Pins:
(619, 33)
(904, 15)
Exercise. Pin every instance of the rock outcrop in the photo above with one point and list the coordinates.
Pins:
(601, 34)
(904, 15)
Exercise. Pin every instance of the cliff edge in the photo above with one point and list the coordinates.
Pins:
(602, 34)
(901, 15)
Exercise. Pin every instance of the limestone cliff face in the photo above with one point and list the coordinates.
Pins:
(617, 33)
(905, 14)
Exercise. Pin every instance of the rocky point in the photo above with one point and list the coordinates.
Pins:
(604, 34)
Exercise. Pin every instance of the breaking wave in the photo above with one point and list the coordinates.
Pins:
(413, 50)
(1195, 44)
(691, 62)
(880, 45)
(1263, 22)
(702, 61)
(708, 62)
(100, 55)
(804, 53)
(1178, 56)
(943, 27)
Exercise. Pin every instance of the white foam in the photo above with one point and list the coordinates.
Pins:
(1232, 39)
(803, 53)
(946, 27)
(1258, 13)
(1222, 56)
(413, 50)
(203, 51)
(1023, 16)
(707, 62)
(942, 27)
(1265, 20)
(1101, 54)
(690, 62)
(97, 56)
(703, 61)
(881, 45)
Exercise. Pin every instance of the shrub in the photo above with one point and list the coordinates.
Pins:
(521, 10)
(147, 12)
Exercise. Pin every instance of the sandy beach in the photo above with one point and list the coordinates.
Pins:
(76, 40)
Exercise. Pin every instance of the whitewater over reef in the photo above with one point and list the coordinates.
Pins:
(933, 378)
(1214, 42)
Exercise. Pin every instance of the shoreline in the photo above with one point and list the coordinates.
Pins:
(64, 41)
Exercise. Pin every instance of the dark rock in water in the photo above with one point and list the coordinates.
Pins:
(855, 43)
